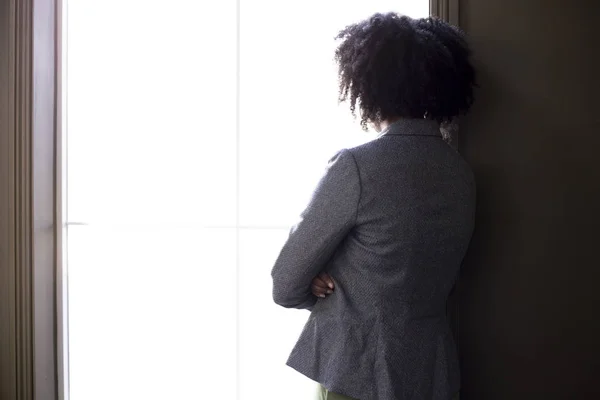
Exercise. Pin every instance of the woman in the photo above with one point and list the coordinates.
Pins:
(379, 246)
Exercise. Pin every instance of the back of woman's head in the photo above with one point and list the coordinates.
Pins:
(393, 66)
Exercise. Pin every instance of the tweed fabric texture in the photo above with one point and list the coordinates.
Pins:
(390, 221)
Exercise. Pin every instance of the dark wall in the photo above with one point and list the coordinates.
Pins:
(530, 288)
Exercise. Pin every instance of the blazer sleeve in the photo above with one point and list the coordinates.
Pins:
(329, 216)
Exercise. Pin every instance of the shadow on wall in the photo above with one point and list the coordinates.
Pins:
(527, 288)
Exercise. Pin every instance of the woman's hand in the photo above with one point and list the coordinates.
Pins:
(322, 285)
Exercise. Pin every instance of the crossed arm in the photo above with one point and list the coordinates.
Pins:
(299, 273)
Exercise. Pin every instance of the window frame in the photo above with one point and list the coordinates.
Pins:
(448, 10)
(28, 235)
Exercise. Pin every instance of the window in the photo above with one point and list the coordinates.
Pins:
(193, 142)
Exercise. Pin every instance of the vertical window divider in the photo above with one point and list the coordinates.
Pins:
(237, 200)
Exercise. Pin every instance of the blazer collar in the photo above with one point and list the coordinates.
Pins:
(413, 127)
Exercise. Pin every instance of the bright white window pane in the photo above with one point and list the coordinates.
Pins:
(152, 144)
(151, 110)
(152, 313)
(267, 331)
(290, 121)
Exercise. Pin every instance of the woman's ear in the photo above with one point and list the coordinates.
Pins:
(449, 130)
(376, 126)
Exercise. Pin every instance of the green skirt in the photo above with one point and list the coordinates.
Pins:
(324, 394)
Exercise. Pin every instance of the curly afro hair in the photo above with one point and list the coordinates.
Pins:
(395, 66)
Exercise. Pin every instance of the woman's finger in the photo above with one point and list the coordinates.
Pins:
(319, 291)
(319, 282)
(324, 276)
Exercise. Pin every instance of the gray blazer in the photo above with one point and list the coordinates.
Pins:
(390, 221)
